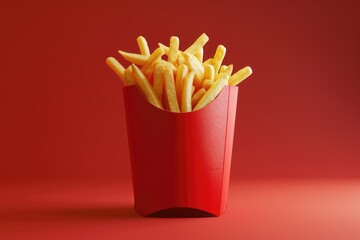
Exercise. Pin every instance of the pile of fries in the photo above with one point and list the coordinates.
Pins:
(183, 82)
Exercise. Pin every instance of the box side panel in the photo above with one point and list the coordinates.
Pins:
(232, 103)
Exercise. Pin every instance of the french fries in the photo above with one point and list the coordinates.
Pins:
(197, 96)
(183, 82)
(212, 92)
(129, 76)
(198, 44)
(170, 90)
(156, 55)
(144, 85)
(209, 71)
(181, 73)
(218, 58)
(194, 65)
(143, 46)
(117, 68)
(240, 76)
(200, 55)
(187, 92)
(207, 83)
(158, 81)
(226, 69)
(173, 49)
(134, 58)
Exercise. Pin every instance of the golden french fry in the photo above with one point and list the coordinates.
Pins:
(186, 92)
(207, 83)
(208, 61)
(218, 57)
(192, 90)
(117, 68)
(158, 81)
(144, 85)
(180, 58)
(173, 49)
(196, 66)
(181, 73)
(240, 75)
(222, 68)
(165, 103)
(199, 43)
(143, 46)
(166, 48)
(229, 70)
(134, 57)
(170, 90)
(165, 63)
(213, 91)
(199, 55)
(152, 58)
(197, 96)
(209, 71)
(226, 69)
(129, 76)
(149, 73)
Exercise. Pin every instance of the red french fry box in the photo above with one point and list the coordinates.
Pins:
(180, 160)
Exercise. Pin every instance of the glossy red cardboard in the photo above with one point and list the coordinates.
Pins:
(180, 160)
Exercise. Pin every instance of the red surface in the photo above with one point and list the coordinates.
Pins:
(298, 210)
(62, 116)
(180, 159)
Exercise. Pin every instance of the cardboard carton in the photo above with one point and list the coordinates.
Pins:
(180, 160)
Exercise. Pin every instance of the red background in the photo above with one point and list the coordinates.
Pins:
(62, 114)
(61, 109)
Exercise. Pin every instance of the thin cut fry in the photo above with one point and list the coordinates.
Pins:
(195, 66)
(226, 69)
(186, 92)
(129, 76)
(134, 57)
(158, 81)
(218, 57)
(181, 73)
(192, 90)
(197, 96)
(143, 46)
(170, 90)
(180, 58)
(199, 43)
(152, 58)
(165, 63)
(173, 49)
(144, 85)
(208, 61)
(209, 71)
(207, 83)
(199, 55)
(240, 76)
(165, 103)
(222, 68)
(117, 68)
(213, 91)
(166, 48)
(149, 73)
